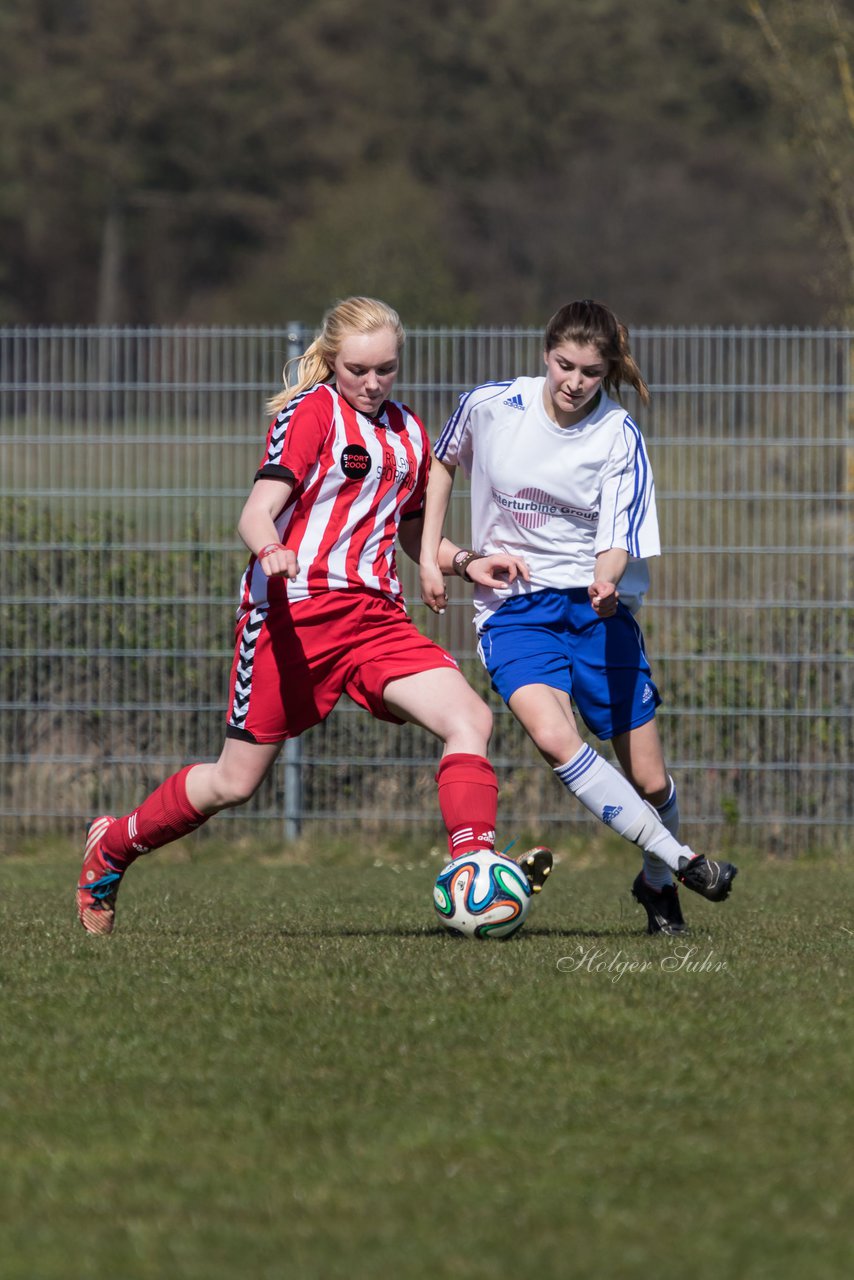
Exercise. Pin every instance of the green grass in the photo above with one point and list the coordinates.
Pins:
(278, 1071)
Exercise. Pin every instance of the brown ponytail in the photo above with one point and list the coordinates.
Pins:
(589, 323)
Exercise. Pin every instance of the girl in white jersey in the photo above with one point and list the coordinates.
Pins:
(321, 612)
(561, 481)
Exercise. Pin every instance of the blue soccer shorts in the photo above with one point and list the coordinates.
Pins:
(553, 637)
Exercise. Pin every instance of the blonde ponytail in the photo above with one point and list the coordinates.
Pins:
(309, 368)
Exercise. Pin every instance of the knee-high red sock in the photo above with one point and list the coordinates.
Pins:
(468, 799)
(165, 816)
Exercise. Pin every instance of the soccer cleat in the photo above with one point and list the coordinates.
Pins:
(99, 882)
(662, 907)
(537, 864)
(713, 880)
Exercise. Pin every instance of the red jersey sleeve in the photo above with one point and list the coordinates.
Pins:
(296, 436)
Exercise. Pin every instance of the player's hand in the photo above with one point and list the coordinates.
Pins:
(433, 591)
(604, 597)
(498, 570)
(278, 561)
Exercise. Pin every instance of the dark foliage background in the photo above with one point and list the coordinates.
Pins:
(166, 161)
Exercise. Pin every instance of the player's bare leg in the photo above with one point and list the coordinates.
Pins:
(233, 778)
(642, 760)
(547, 716)
(443, 702)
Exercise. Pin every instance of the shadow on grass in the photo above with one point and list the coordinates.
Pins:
(548, 932)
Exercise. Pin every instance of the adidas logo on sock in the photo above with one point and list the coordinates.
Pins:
(515, 402)
(610, 812)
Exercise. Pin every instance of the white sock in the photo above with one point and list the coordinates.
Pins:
(655, 872)
(613, 800)
(668, 812)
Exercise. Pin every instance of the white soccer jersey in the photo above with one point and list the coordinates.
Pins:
(556, 496)
(354, 478)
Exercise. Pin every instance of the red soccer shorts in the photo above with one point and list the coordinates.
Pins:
(293, 661)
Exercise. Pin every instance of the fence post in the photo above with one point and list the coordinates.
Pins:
(293, 746)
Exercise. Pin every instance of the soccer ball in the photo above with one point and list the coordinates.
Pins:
(482, 895)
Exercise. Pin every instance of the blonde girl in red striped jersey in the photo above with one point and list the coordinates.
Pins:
(321, 610)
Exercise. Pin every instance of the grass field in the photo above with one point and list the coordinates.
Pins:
(273, 1070)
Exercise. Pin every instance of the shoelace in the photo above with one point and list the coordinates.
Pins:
(103, 888)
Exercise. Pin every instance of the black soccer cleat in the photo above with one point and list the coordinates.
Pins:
(712, 880)
(537, 865)
(664, 913)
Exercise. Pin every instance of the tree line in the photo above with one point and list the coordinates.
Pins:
(165, 161)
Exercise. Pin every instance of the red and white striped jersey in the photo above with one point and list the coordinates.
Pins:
(355, 478)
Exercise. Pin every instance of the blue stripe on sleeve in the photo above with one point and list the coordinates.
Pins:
(449, 431)
(640, 497)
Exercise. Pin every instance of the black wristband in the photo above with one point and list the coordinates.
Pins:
(462, 560)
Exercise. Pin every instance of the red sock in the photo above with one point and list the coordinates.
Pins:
(468, 798)
(165, 816)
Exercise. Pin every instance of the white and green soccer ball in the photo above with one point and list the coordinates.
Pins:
(482, 895)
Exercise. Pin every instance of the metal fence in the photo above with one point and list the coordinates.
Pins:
(126, 454)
